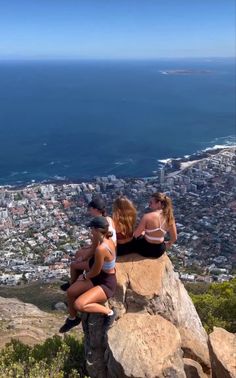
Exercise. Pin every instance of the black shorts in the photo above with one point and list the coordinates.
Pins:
(147, 249)
(107, 281)
(126, 248)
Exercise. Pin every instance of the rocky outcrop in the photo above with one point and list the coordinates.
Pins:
(157, 326)
(26, 322)
(193, 369)
(222, 346)
(151, 285)
(142, 345)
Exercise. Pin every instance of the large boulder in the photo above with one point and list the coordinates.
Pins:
(193, 369)
(152, 286)
(26, 322)
(157, 326)
(144, 346)
(222, 346)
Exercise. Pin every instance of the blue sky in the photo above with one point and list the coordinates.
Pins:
(116, 29)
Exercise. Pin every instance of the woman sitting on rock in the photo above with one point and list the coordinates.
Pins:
(153, 227)
(95, 208)
(124, 217)
(96, 285)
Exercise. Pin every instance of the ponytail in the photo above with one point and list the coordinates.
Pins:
(166, 205)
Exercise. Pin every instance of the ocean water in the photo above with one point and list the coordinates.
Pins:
(77, 119)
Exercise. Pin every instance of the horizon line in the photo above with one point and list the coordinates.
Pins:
(31, 58)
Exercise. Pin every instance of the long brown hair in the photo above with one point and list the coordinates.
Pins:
(124, 215)
(166, 205)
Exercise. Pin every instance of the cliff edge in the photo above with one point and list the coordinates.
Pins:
(158, 330)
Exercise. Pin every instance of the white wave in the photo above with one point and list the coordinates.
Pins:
(165, 161)
(226, 140)
(59, 177)
(220, 147)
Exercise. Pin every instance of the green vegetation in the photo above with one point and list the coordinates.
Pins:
(42, 295)
(56, 358)
(216, 304)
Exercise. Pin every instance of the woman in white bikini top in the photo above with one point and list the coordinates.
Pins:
(158, 222)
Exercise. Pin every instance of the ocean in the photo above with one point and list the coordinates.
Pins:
(73, 120)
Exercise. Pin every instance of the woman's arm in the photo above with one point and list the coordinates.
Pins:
(173, 235)
(86, 252)
(98, 263)
(141, 227)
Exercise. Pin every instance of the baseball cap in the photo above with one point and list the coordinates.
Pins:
(99, 222)
(97, 203)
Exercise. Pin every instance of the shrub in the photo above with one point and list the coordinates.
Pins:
(56, 358)
(217, 306)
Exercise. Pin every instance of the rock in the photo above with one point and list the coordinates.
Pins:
(222, 346)
(152, 305)
(95, 344)
(60, 306)
(152, 286)
(193, 369)
(142, 345)
(26, 322)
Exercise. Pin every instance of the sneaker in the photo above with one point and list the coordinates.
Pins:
(109, 320)
(69, 324)
(65, 286)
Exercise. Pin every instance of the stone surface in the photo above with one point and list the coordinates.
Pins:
(143, 345)
(95, 344)
(26, 322)
(193, 369)
(60, 306)
(151, 285)
(222, 346)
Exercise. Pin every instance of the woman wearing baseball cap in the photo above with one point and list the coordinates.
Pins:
(97, 284)
(96, 208)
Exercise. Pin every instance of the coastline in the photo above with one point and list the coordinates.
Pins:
(169, 163)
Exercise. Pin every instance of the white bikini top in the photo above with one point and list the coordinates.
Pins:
(111, 229)
(156, 238)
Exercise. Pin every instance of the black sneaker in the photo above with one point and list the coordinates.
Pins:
(70, 324)
(65, 286)
(109, 320)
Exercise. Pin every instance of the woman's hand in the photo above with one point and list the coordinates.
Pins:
(79, 259)
(168, 245)
(141, 227)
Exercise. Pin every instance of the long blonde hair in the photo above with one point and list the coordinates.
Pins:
(124, 215)
(166, 205)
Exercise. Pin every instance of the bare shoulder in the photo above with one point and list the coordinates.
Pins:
(100, 249)
(147, 216)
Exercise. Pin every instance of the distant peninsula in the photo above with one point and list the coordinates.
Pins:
(185, 72)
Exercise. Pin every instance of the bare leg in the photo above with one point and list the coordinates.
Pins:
(85, 253)
(76, 268)
(74, 291)
(82, 257)
(90, 301)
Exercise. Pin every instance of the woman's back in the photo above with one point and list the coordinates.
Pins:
(155, 226)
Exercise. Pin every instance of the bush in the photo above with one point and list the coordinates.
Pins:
(217, 306)
(56, 358)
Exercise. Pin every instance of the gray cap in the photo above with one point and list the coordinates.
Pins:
(99, 222)
(97, 203)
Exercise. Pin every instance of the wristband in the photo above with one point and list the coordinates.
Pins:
(84, 275)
